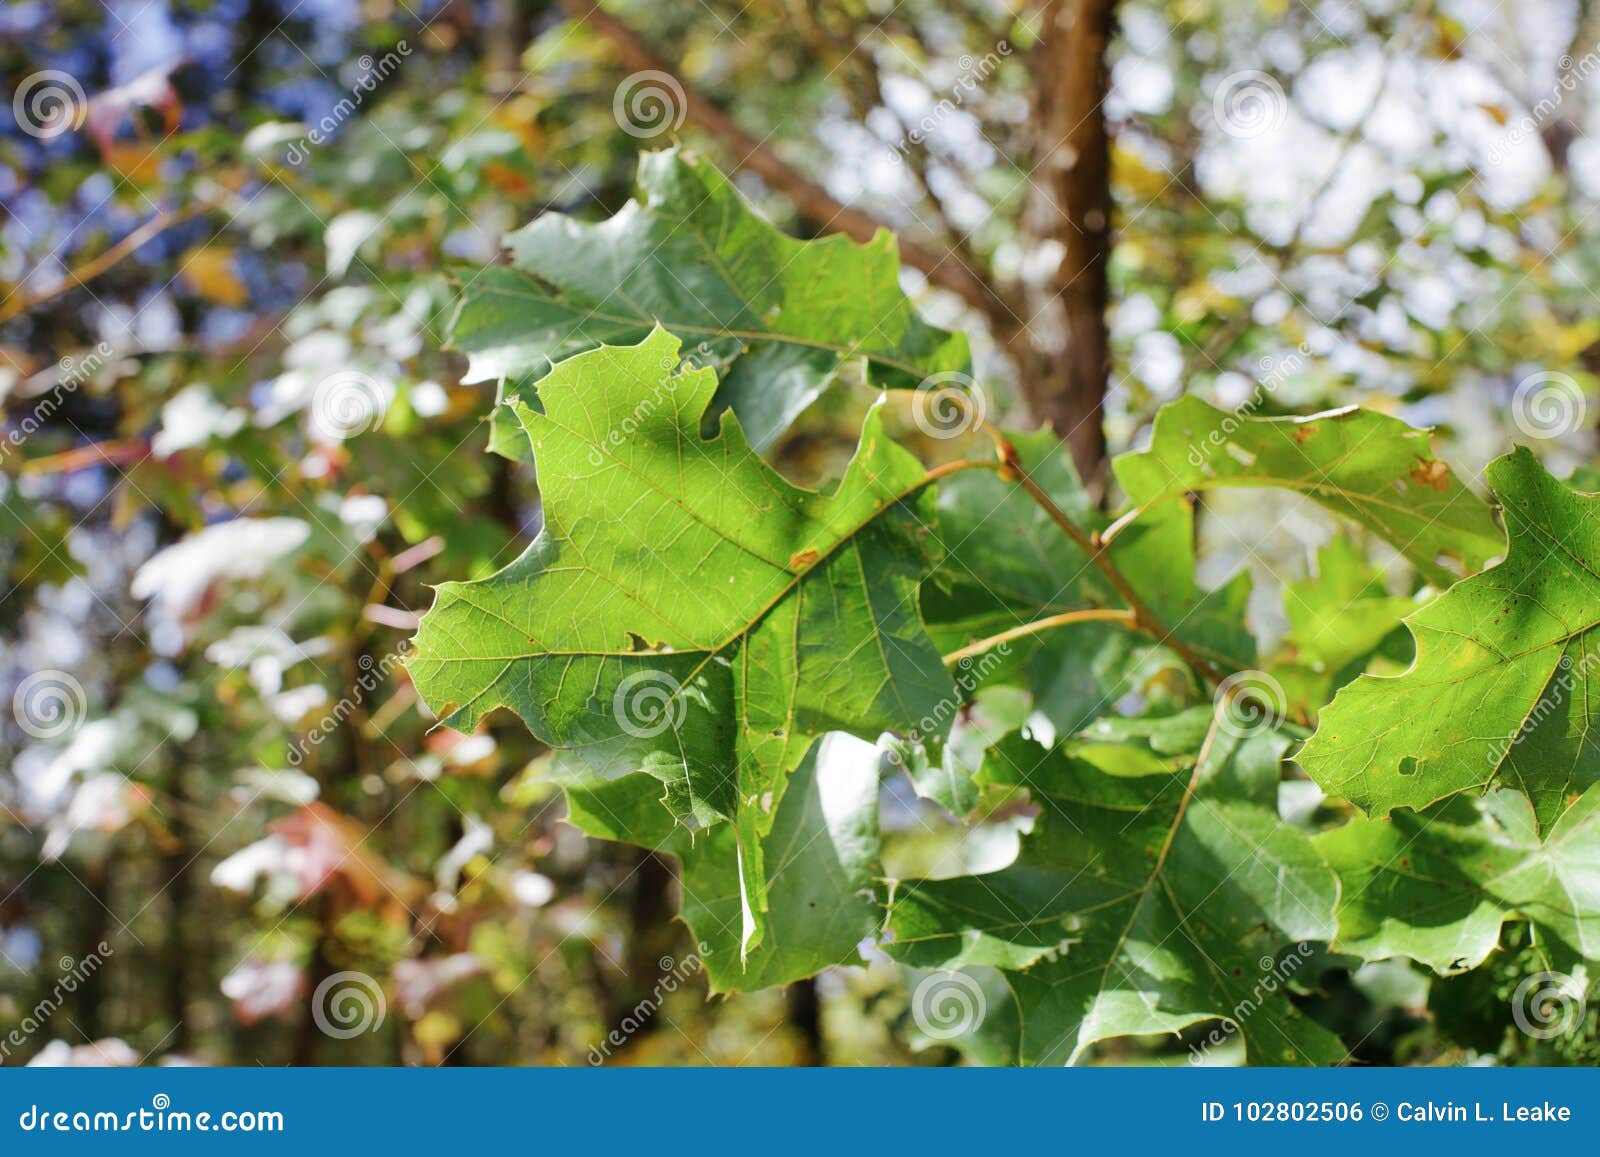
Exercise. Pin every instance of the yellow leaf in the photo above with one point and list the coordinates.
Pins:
(134, 161)
(209, 270)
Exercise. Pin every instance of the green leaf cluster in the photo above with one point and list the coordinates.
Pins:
(730, 668)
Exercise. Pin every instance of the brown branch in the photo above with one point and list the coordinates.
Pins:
(815, 203)
(1097, 551)
(1063, 354)
(108, 453)
(19, 303)
(1038, 626)
(1139, 616)
(857, 71)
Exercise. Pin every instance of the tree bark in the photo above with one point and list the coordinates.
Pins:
(1564, 125)
(1063, 353)
(1062, 348)
(651, 941)
(803, 1004)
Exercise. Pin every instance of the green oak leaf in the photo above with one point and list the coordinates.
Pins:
(946, 771)
(686, 611)
(1437, 886)
(1340, 620)
(1364, 465)
(1502, 690)
(1007, 564)
(1342, 613)
(776, 317)
(821, 855)
(1138, 904)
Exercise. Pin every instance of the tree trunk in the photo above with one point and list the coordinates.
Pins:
(652, 940)
(803, 1005)
(1564, 123)
(1063, 352)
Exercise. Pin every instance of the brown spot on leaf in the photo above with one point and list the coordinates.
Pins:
(802, 559)
(1431, 472)
(1301, 433)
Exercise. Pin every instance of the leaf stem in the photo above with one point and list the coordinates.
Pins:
(1091, 615)
(945, 469)
(1096, 550)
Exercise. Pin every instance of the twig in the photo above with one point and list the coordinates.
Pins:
(19, 303)
(1067, 618)
(813, 201)
(1097, 551)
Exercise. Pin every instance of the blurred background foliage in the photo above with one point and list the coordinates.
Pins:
(1397, 215)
